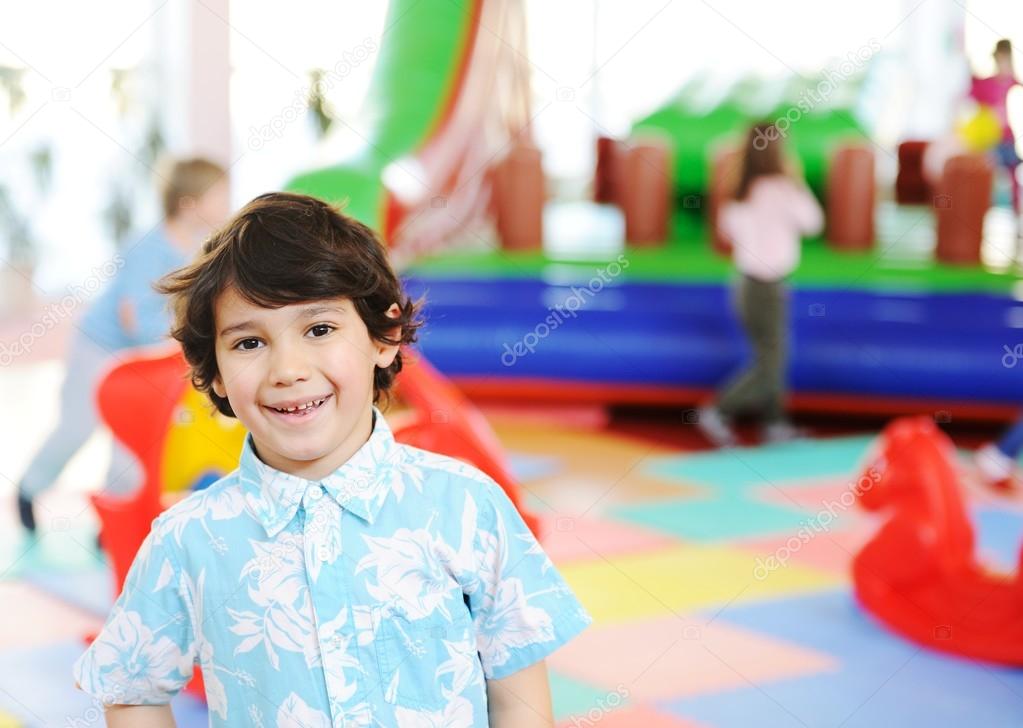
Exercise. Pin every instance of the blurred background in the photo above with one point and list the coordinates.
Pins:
(553, 178)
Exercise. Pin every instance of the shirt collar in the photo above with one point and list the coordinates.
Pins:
(360, 485)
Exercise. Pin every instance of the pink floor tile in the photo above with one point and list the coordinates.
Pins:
(827, 501)
(632, 717)
(580, 539)
(829, 550)
(32, 618)
(666, 658)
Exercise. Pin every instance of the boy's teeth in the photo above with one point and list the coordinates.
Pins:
(300, 407)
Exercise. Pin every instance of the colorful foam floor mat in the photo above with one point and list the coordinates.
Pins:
(668, 549)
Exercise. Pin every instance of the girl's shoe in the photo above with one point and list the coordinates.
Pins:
(995, 466)
(782, 431)
(715, 428)
(25, 513)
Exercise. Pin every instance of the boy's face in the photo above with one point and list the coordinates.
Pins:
(300, 378)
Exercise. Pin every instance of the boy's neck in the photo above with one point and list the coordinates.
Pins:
(180, 234)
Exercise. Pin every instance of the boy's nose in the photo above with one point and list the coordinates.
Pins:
(287, 366)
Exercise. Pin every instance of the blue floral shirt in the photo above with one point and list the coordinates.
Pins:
(383, 595)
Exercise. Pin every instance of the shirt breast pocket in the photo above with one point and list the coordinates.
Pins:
(425, 662)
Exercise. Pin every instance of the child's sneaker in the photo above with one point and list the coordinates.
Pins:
(715, 428)
(995, 466)
(782, 431)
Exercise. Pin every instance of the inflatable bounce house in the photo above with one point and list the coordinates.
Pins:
(894, 309)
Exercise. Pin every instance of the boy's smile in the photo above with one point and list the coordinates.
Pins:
(300, 378)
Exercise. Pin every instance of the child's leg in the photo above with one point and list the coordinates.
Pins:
(125, 473)
(758, 388)
(77, 419)
(774, 344)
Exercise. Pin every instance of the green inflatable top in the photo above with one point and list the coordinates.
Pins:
(421, 52)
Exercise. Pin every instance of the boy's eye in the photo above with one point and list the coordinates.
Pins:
(320, 330)
(248, 344)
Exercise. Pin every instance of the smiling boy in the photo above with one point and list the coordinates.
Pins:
(336, 578)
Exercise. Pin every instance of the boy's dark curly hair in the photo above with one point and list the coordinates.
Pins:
(280, 249)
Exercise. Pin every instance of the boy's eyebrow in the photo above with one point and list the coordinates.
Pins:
(237, 327)
(313, 311)
(308, 312)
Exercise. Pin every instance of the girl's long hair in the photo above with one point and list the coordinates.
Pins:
(761, 157)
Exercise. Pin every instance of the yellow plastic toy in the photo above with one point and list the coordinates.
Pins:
(202, 445)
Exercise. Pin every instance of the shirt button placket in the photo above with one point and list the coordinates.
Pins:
(327, 592)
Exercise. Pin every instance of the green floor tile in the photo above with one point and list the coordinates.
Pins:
(713, 520)
(735, 469)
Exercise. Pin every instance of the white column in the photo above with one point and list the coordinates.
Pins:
(195, 71)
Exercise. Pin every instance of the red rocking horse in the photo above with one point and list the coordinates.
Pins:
(918, 574)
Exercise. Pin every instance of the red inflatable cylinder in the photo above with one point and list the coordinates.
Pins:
(725, 169)
(607, 177)
(962, 200)
(911, 186)
(646, 192)
(850, 198)
(519, 199)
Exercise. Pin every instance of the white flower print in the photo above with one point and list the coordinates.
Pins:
(278, 587)
(216, 695)
(462, 665)
(295, 713)
(406, 567)
(143, 666)
(219, 502)
(456, 714)
(511, 622)
(336, 658)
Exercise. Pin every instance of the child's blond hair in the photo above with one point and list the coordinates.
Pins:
(183, 181)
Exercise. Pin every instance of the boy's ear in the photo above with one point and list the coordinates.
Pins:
(217, 385)
(386, 352)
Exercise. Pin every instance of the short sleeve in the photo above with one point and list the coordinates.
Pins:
(145, 652)
(521, 606)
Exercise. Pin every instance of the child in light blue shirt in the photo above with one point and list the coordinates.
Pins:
(127, 313)
(336, 578)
